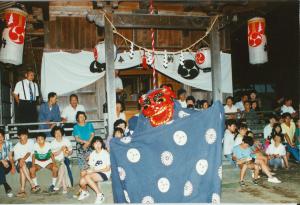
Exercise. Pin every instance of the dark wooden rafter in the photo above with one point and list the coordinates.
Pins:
(160, 21)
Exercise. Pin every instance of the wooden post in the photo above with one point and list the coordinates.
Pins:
(110, 75)
(215, 62)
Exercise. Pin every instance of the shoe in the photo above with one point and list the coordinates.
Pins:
(255, 181)
(36, 189)
(21, 194)
(274, 180)
(51, 189)
(9, 194)
(56, 189)
(99, 199)
(242, 183)
(77, 194)
(83, 195)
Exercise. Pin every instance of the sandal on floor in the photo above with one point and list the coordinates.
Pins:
(21, 194)
(35, 189)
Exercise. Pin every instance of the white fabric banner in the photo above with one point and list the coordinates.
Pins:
(64, 72)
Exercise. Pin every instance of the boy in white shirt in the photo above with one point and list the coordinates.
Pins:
(99, 170)
(276, 152)
(22, 156)
(43, 157)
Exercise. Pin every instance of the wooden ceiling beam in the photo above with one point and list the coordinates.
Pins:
(136, 21)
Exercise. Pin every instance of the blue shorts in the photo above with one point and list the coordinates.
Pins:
(28, 165)
(103, 176)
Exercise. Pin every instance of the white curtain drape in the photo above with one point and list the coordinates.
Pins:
(64, 72)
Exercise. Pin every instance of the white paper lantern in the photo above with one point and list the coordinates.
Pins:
(203, 58)
(13, 36)
(257, 41)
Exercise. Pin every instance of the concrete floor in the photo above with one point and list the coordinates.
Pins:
(265, 192)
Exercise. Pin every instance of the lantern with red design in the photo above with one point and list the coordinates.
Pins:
(257, 41)
(13, 36)
(202, 58)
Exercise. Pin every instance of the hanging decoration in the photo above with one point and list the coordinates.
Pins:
(13, 36)
(165, 60)
(257, 41)
(131, 53)
(149, 58)
(203, 59)
(153, 48)
(189, 69)
(144, 61)
(181, 59)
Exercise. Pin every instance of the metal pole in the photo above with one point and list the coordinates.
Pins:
(216, 62)
(110, 75)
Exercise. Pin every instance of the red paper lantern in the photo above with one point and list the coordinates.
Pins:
(13, 36)
(257, 41)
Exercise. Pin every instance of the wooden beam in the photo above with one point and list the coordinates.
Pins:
(134, 21)
(216, 62)
(110, 76)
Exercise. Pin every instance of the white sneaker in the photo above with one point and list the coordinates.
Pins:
(99, 199)
(83, 195)
(274, 180)
(10, 194)
(56, 189)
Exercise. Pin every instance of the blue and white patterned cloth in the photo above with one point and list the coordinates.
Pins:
(173, 163)
(6, 149)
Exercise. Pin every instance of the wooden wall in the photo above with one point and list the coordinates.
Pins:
(72, 33)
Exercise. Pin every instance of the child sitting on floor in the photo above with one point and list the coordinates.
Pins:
(276, 153)
(61, 148)
(42, 157)
(99, 170)
(22, 156)
(242, 154)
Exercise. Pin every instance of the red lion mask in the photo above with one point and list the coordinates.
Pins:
(158, 106)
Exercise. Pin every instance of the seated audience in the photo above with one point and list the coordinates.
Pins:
(240, 105)
(288, 130)
(99, 170)
(253, 98)
(6, 162)
(288, 108)
(190, 102)
(120, 114)
(84, 133)
(68, 114)
(228, 140)
(181, 95)
(61, 148)
(117, 124)
(242, 131)
(276, 153)
(49, 112)
(205, 105)
(230, 108)
(250, 116)
(23, 157)
(268, 128)
(245, 160)
(42, 158)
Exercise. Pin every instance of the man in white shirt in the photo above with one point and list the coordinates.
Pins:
(240, 105)
(118, 85)
(228, 141)
(69, 113)
(25, 95)
(269, 127)
(287, 107)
